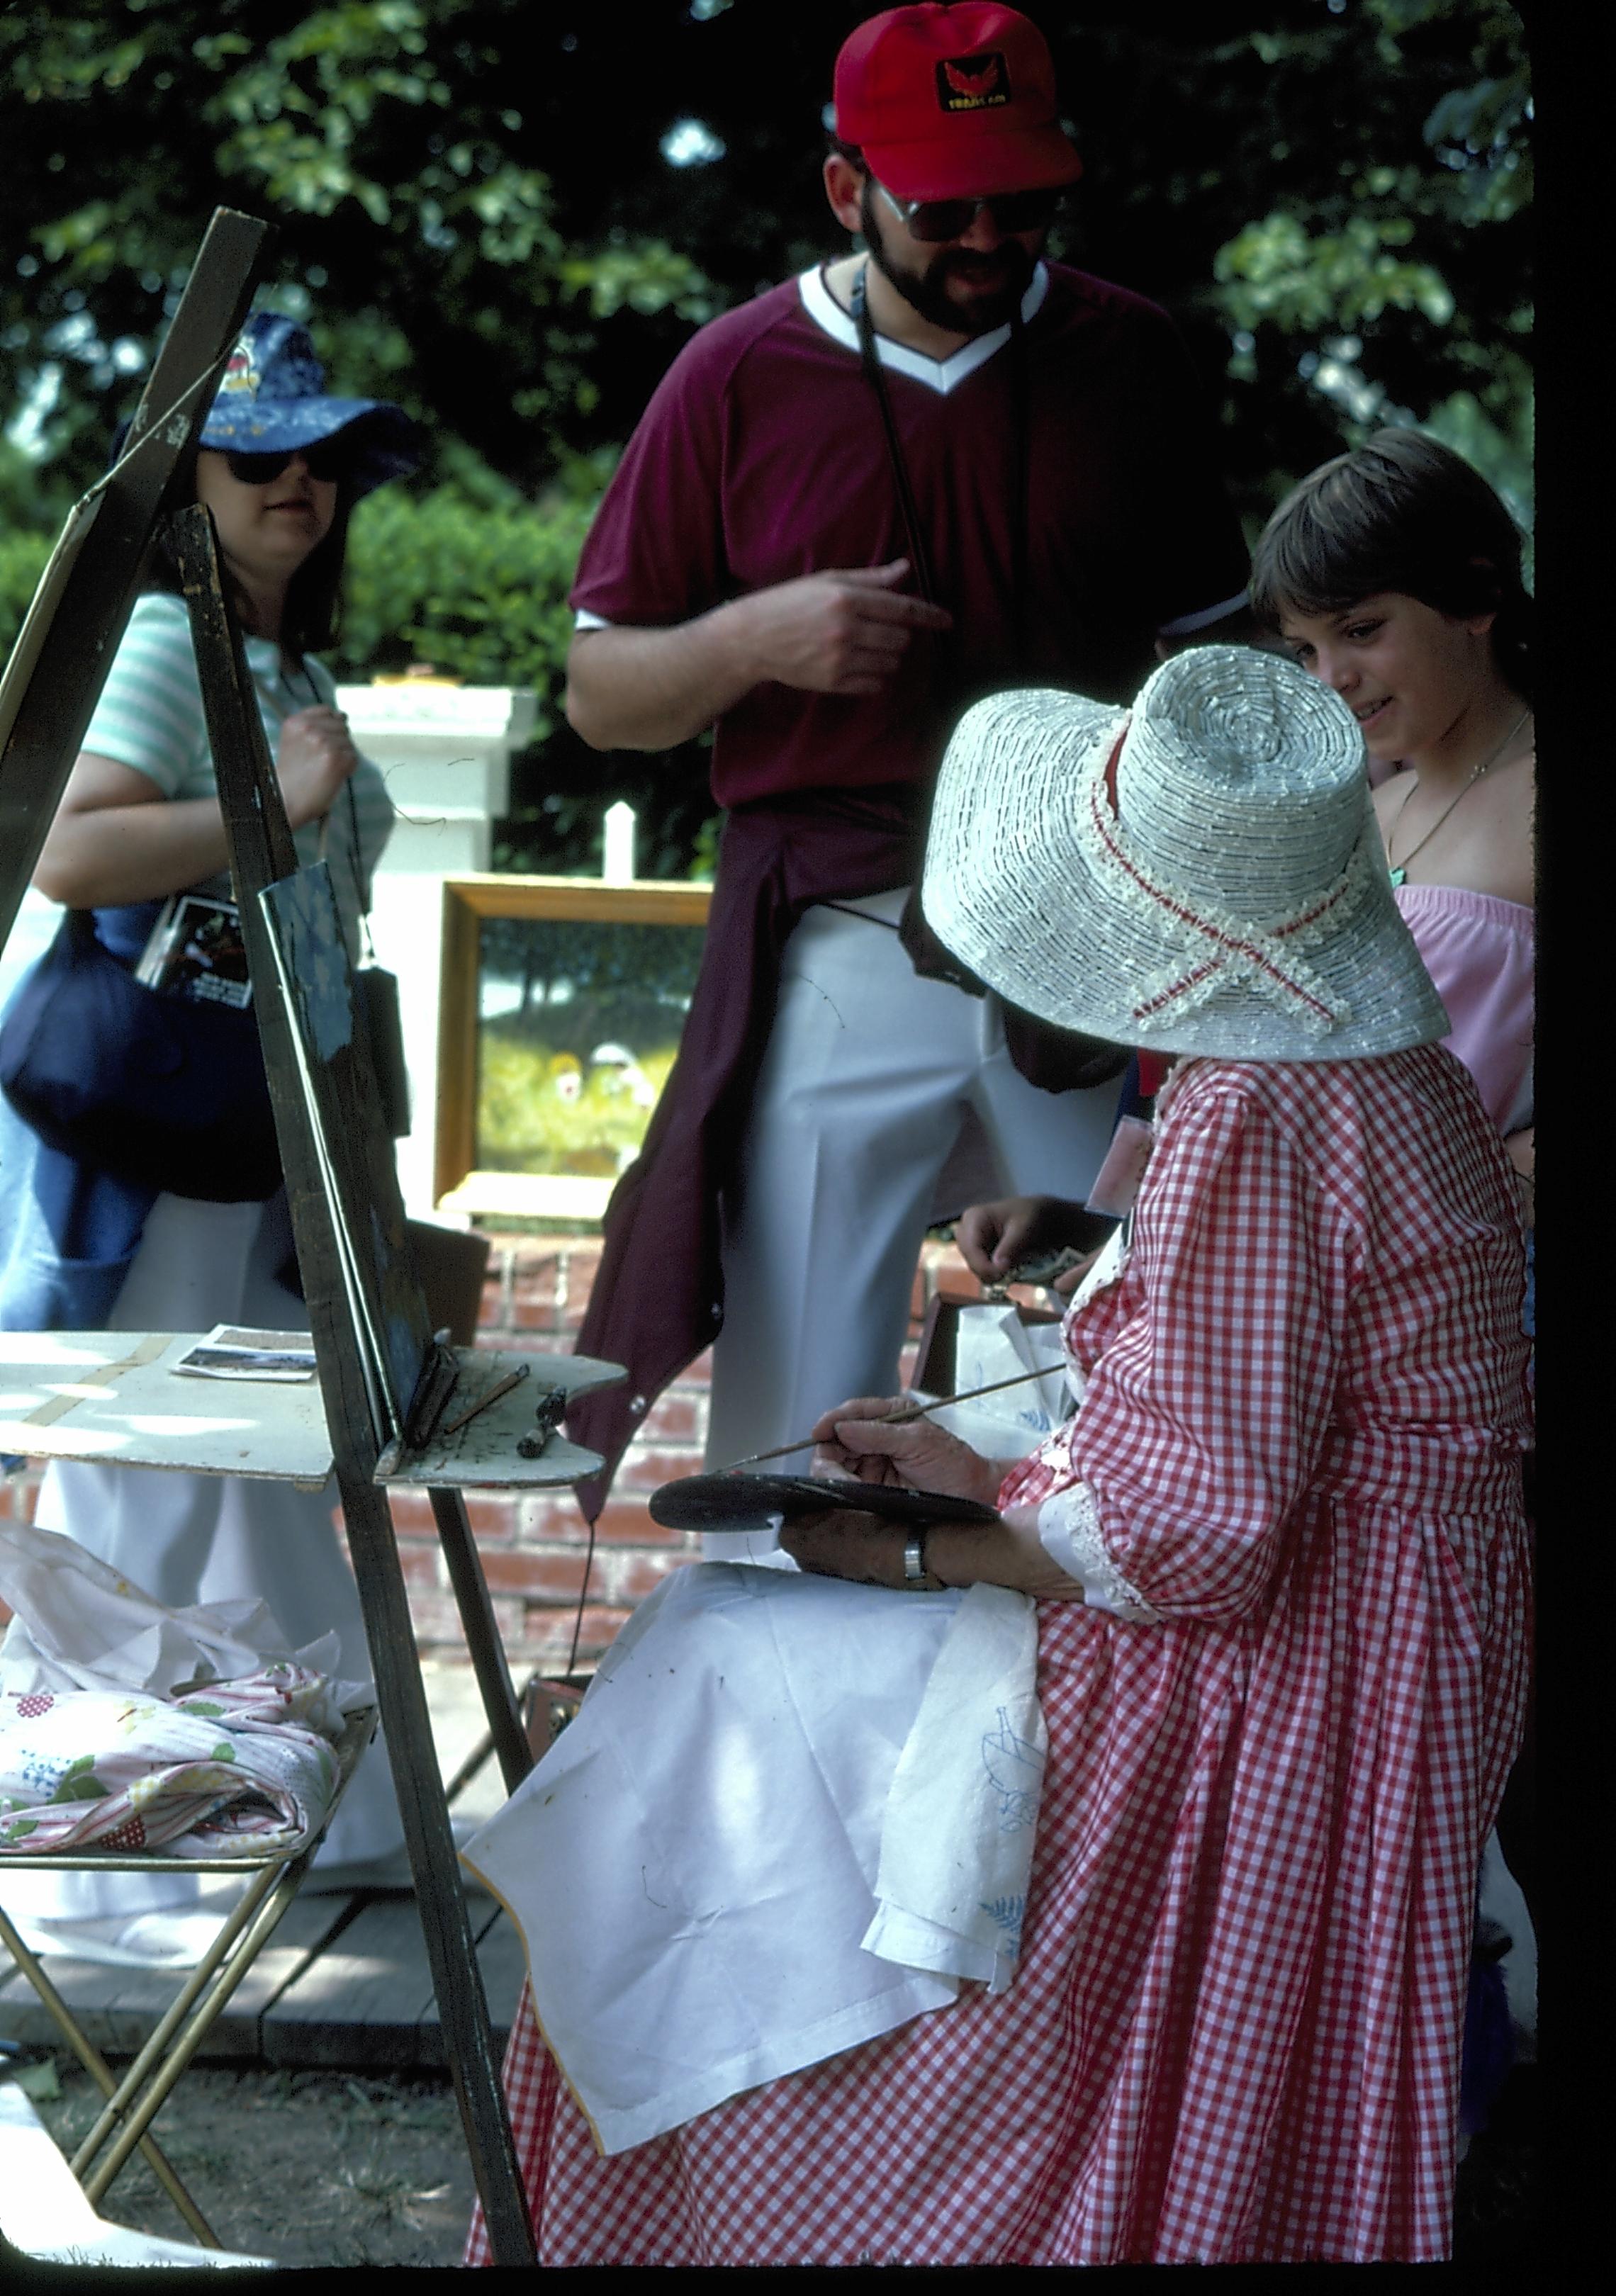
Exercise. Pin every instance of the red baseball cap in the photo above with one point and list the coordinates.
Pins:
(952, 103)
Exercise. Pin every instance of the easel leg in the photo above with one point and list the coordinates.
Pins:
(462, 2008)
(499, 1700)
(334, 1151)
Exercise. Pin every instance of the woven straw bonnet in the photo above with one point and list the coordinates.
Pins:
(1203, 875)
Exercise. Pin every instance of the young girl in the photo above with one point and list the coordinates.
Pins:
(1394, 573)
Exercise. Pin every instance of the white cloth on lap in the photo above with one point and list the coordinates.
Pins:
(697, 1864)
(957, 1834)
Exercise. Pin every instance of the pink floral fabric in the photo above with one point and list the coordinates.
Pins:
(229, 1766)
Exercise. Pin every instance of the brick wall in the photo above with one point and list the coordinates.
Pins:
(534, 1548)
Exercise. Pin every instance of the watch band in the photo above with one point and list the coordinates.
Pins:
(914, 1559)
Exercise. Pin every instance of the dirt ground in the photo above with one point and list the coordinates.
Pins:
(347, 2168)
(305, 2168)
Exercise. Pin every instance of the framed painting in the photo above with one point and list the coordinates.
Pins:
(562, 1003)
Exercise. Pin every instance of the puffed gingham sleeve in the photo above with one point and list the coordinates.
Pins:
(1207, 1410)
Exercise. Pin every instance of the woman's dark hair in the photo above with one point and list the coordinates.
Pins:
(1400, 513)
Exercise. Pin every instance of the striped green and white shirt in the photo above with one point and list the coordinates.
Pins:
(149, 717)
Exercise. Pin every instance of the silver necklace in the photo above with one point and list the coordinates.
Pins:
(1399, 870)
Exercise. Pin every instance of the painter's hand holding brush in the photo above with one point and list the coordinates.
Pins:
(863, 1439)
(875, 1438)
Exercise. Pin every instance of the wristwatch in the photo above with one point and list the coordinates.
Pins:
(915, 1573)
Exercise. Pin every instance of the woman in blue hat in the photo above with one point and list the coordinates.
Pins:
(280, 466)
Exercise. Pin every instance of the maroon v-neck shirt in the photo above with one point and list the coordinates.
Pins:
(762, 457)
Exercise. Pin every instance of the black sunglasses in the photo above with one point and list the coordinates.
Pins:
(332, 460)
(935, 220)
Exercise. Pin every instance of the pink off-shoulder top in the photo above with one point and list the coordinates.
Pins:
(1480, 952)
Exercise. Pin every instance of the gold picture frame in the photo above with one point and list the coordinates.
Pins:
(468, 901)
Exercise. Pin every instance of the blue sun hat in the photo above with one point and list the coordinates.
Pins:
(273, 400)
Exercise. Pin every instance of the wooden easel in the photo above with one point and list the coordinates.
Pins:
(377, 1355)
(385, 1377)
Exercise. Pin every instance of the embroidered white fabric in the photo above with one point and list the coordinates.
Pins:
(1069, 1532)
(793, 1813)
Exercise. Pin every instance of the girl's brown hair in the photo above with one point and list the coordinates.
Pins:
(1400, 513)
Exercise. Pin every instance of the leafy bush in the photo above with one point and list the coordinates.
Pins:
(473, 577)
(22, 557)
(476, 587)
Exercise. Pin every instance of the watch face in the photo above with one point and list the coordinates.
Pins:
(738, 1501)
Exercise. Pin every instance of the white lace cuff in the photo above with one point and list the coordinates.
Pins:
(1069, 1532)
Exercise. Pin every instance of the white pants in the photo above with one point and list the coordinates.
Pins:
(869, 1075)
(205, 1539)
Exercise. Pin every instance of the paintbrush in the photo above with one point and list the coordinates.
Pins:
(899, 1418)
(500, 1387)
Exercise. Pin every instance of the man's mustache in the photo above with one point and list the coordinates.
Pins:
(1002, 265)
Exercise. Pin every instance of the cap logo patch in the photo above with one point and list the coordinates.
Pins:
(972, 83)
(241, 369)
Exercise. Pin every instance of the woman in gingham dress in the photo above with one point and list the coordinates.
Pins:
(1279, 1557)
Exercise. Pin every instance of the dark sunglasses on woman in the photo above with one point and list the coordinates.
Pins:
(934, 220)
(330, 459)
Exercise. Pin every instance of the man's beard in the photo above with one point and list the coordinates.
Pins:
(1009, 267)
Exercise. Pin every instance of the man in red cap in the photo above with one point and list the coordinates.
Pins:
(909, 477)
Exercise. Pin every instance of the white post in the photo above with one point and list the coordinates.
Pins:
(617, 867)
(446, 753)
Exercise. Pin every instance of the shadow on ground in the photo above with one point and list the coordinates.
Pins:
(306, 2167)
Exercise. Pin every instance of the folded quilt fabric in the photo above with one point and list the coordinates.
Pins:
(216, 1769)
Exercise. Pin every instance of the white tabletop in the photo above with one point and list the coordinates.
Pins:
(113, 1397)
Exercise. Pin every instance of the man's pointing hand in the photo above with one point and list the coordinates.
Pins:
(845, 631)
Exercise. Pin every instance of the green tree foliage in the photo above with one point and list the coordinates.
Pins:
(510, 218)
(415, 179)
(1395, 286)
(475, 588)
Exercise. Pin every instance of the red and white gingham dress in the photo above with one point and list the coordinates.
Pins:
(1234, 2034)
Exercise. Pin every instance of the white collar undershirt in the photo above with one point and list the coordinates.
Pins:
(939, 375)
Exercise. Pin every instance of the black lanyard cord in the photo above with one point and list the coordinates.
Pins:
(920, 557)
(1020, 396)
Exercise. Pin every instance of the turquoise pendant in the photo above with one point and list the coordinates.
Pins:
(1398, 875)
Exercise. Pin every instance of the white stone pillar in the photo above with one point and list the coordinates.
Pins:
(446, 753)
